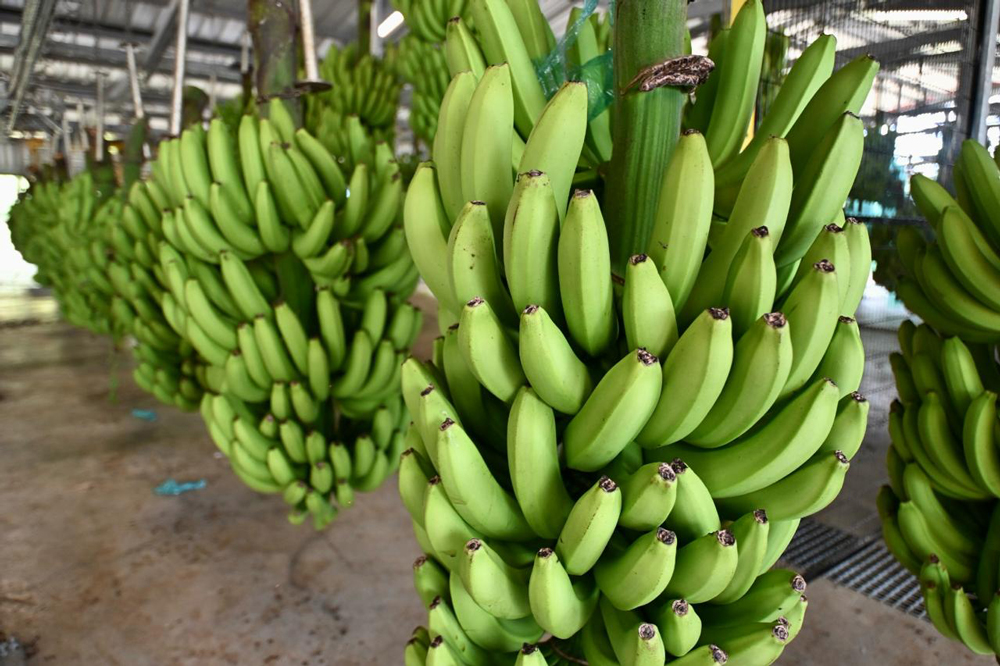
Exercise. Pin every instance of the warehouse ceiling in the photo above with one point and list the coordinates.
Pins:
(65, 43)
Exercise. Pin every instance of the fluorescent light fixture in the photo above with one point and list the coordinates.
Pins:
(391, 22)
(920, 15)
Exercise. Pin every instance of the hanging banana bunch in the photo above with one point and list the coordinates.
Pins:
(420, 58)
(60, 228)
(362, 86)
(289, 277)
(422, 64)
(427, 19)
(97, 252)
(940, 514)
(167, 365)
(618, 460)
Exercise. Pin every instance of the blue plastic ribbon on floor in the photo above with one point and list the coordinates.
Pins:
(171, 487)
(144, 414)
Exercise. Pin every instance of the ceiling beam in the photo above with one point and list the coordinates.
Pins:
(903, 45)
(163, 34)
(115, 59)
(34, 27)
(12, 15)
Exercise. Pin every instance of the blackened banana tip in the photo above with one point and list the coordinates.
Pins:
(680, 607)
(760, 515)
(775, 319)
(645, 357)
(726, 538)
(798, 583)
(760, 232)
(637, 259)
(647, 632)
(824, 266)
(665, 536)
(666, 472)
(719, 314)
(607, 485)
(719, 655)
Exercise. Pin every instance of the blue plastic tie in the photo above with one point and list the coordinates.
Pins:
(144, 414)
(171, 487)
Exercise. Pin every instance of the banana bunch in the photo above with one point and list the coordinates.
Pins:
(346, 138)
(423, 66)
(814, 111)
(940, 515)
(167, 365)
(362, 86)
(426, 19)
(632, 452)
(952, 288)
(97, 254)
(289, 280)
(59, 227)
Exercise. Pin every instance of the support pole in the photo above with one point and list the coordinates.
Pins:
(133, 79)
(180, 53)
(99, 110)
(982, 81)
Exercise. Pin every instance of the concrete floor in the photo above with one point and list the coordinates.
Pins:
(97, 569)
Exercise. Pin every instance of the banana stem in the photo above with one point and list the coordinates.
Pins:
(272, 27)
(645, 123)
(364, 27)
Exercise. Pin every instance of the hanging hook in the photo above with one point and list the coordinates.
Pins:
(180, 53)
(312, 82)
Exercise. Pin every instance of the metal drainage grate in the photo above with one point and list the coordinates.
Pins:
(817, 547)
(862, 565)
(874, 572)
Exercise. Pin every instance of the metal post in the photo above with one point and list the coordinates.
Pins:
(312, 81)
(982, 84)
(245, 53)
(99, 140)
(180, 53)
(213, 83)
(376, 41)
(133, 78)
(82, 122)
(65, 137)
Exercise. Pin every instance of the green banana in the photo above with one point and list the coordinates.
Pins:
(585, 275)
(549, 363)
(693, 378)
(614, 413)
(647, 309)
(762, 359)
